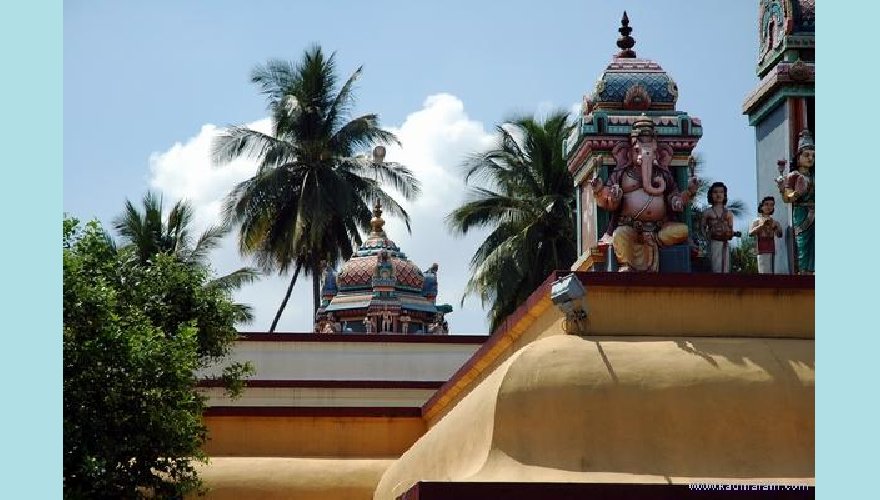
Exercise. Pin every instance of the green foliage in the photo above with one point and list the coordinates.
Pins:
(148, 235)
(133, 337)
(529, 203)
(310, 195)
(744, 256)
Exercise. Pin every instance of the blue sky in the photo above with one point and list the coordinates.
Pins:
(147, 83)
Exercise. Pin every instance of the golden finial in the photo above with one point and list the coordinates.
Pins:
(376, 223)
(625, 42)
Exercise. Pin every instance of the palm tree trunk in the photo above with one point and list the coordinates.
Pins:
(316, 289)
(286, 298)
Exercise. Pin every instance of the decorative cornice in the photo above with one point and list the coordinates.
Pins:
(758, 114)
(786, 74)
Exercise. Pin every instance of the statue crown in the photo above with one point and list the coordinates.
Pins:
(643, 125)
(805, 141)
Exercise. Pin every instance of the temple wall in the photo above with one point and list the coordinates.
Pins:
(636, 409)
(735, 310)
(376, 358)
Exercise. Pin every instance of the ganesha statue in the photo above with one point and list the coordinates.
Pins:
(642, 196)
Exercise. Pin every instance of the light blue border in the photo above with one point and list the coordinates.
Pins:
(847, 307)
(30, 252)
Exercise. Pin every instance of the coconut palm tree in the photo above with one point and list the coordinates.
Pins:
(528, 200)
(310, 196)
(148, 234)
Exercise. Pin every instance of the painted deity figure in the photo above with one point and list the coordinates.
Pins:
(798, 188)
(330, 325)
(387, 322)
(765, 229)
(717, 223)
(369, 324)
(404, 323)
(642, 195)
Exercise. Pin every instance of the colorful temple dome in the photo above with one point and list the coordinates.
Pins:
(379, 290)
(628, 88)
(358, 272)
(635, 84)
(630, 83)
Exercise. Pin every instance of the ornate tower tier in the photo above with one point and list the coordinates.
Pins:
(631, 89)
(380, 291)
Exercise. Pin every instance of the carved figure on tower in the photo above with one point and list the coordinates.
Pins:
(642, 195)
(717, 223)
(798, 189)
(765, 229)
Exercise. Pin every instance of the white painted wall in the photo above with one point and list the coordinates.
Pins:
(321, 360)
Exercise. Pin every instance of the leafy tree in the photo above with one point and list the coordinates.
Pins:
(744, 256)
(148, 235)
(133, 337)
(528, 199)
(310, 195)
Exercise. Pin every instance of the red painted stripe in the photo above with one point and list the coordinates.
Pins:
(334, 384)
(435, 490)
(312, 411)
(404, 339)
(695, 280)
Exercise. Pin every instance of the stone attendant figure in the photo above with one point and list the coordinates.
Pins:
(387, 322)
(642, 195)
(404, 323)
(798, 188)
(369, 324)
(764, 229)
(717, 223)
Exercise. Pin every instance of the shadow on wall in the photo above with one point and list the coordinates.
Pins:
(725, 408)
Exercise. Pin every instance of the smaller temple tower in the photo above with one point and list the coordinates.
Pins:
(633, 99)
(782, 105)
(379, 291)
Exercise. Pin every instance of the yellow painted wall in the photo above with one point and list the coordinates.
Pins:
(628, 409)
(311, 436)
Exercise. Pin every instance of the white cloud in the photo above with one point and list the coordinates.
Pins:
(434, 140)
(186, 171)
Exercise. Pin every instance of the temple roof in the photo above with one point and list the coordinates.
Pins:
(379, 280)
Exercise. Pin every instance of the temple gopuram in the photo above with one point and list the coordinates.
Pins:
(782, 108)
(380, 291)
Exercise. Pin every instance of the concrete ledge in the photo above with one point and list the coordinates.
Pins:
(270, 478)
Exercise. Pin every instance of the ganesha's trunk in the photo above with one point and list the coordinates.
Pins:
(648, 157)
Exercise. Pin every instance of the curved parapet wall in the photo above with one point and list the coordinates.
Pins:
(635, 409)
